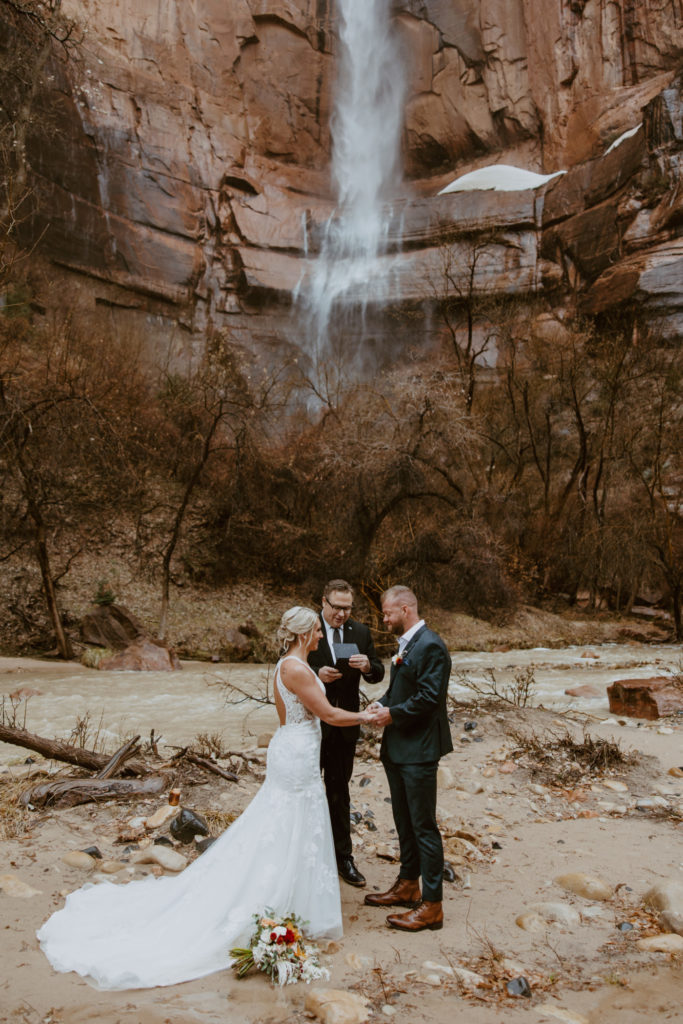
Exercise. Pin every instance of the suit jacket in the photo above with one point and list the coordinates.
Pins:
(344, 692)
(419, 731)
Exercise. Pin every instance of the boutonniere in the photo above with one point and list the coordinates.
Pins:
(398, 659)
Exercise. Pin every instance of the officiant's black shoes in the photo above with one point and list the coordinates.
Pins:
(405, 892)
(349, 872)
(426, 915)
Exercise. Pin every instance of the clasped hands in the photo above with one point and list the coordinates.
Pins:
(376, 714)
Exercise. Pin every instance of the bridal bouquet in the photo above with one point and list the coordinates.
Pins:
(278, 949)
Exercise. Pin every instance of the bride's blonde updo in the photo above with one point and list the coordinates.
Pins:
(296, 621)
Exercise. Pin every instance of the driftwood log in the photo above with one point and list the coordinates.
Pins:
(209, 766)
(56, 750)
(69, 792)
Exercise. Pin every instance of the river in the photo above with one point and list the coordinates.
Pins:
(179, 706)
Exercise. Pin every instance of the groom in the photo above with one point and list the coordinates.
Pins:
(342, 680)
(416, 735)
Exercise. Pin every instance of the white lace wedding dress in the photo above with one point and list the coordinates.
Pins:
(278, 854)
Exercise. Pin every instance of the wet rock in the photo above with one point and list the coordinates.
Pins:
(557, 913)
(584, 690)
(336, 1006)
(645, 698)
(356, 817)
(24, 692)
(142, 656)
(12, 885)
(93, 851)
(519, 987)
(169, 860)
(204, 844)
(79, 859)
(669, 942)
(163, 841)
(591, 887)
(469, 726)
(449, 874)
(187, 825)
(667, 897)
(365, 781)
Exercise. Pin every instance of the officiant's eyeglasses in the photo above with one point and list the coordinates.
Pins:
(346, 608)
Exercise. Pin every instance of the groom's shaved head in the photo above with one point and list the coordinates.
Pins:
(400, 594)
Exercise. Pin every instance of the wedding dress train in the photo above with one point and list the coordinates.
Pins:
(278, 854)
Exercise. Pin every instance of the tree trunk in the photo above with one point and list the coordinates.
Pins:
(58, 751)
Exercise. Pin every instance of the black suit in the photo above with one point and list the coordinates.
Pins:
(339, 742)
(418, 735)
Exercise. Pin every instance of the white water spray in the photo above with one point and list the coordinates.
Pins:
(366, 137)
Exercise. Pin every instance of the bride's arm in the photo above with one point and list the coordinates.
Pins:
(300, 681)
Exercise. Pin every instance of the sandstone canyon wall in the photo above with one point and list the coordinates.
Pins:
(186, 171)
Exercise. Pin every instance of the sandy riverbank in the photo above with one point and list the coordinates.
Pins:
(520, 826)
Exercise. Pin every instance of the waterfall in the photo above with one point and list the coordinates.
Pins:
(366, 124)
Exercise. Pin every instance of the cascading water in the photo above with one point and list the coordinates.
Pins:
(366, 136)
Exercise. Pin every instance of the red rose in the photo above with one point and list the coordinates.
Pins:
(290, 936)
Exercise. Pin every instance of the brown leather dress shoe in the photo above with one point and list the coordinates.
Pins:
(405, 892)
(426, 915)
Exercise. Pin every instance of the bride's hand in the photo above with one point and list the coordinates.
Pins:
(366, 717)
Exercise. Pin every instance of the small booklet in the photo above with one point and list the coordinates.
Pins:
(342, 652)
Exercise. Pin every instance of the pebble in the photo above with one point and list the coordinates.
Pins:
(507, 768)
(263, 739)
(386, 852)
(161, 816)
(668, 942)
(12, 885)
(110, 867)
(590, 887)
(79, 859)
(388, 1010)
(445, 778)
(676, 772)
(490, 771)
(615, 785)
(665, 730)
(430, 979)
(470, 979)
(166, 858)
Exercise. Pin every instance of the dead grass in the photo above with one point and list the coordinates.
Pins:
(15, 820)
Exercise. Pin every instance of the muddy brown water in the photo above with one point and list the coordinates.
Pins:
(201, 698)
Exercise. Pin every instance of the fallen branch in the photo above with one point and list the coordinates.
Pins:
(127, 751)
(209, 766)
(57, 751)
(69, 792)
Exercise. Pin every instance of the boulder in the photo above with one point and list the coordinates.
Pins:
(667, 897)
(112, 626)
(337, 1006)
(142, 656)
(236, 646)
(645, 698)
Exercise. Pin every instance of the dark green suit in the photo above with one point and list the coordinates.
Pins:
(418, 735)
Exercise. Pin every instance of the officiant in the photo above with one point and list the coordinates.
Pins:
(345, 653)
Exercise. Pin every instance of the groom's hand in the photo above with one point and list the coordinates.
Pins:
(381, 716)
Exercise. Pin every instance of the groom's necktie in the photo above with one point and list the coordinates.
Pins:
(336, 636)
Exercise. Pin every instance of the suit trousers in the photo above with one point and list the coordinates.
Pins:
(336, 760)
(413, 802)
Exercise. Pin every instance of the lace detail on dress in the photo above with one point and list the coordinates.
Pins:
(295, 711)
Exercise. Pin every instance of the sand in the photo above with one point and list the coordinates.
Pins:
(491, 793)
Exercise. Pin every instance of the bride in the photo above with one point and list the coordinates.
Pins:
(278, 855)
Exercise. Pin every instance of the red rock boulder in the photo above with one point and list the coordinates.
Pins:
(142, 656)
(645, 698)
